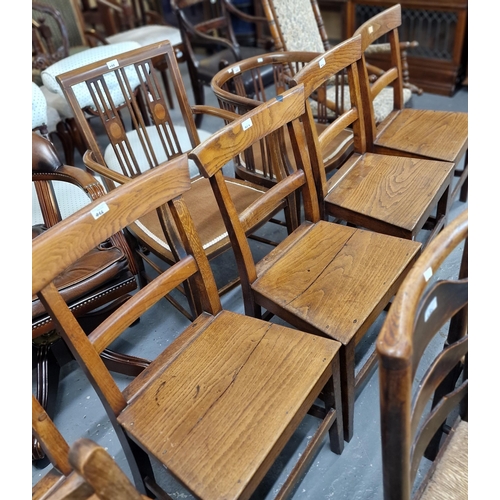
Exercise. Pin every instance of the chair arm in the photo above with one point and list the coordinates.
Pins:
(243, 15)
(224, 114)
(107, 173)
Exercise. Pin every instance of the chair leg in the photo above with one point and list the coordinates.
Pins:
(47, 381)
(348, 388)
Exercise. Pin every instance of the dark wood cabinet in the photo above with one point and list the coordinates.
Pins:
(439, 63)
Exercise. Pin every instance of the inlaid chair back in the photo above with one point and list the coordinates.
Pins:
(423, 378)
(217, 405)
(157, 134)
(297, 25)
(400, 196)
(437, 135)
(234, 94)
(324, 278)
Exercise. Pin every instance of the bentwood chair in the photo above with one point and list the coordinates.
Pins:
(324, 278)
(297, 25)
(423, 375)
(229, 85)
(210, 42)
(165, 135)
(396, 195)
(437, 135)
(85, 470)
(92, 287)
(219, 403)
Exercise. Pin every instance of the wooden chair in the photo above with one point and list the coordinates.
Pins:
(219, 403)
(394, 195)
(93, 286)
(132, 152)
(210, 41)
(59, 44)
(85, 470)
(323, 278)
(423, 397)
(297, 25)
(235, 95)
(438, 135)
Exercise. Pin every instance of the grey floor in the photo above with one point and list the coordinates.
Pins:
(354, 475)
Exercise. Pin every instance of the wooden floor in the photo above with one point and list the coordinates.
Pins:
(355, 475)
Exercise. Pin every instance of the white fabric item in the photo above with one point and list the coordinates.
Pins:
(135, 144)
(70, 198)
(42, 113)
(82, 59)
(57, 102)
(145, 35)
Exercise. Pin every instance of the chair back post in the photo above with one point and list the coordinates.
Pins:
(265, 123)
(316, 78)
(387, 23)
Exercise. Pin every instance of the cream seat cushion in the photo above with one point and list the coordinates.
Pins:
(137, 147)
(146, 35)
(82, 59)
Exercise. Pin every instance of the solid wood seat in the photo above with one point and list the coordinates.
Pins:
(157, 135)
(323, 278)
(423, 375)
(437, 135)
(219, 403)
(394, 195)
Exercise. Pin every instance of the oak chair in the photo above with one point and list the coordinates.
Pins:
(220, 402)
(210, 42)
(423, 397)
(297, 25)
(165, 135)
(93, 286)
(394, 195)
(235, 95)
(324, 278)
(437, 135)
(85, 470)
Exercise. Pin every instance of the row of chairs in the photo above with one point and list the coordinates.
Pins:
(349, 283)
(235, 405)
(289, 166)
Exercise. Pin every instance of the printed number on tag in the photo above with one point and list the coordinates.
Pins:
(100, 210)
(246, 124)
(112, 64)
(322, 62)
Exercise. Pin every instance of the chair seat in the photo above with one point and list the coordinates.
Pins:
(156, 144)
(145, 35)
(212, 438)
(440, 135)
(450, 477)
(339, 253)
(94, 270)
(395, 194)
(209, 226)
(81, 59)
